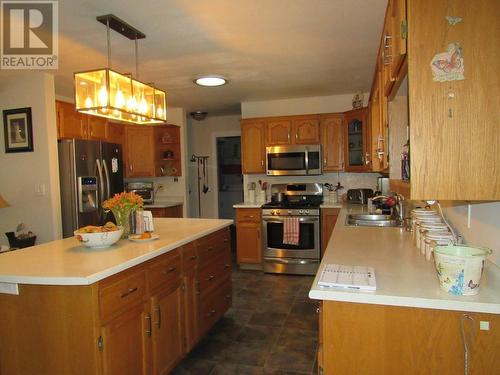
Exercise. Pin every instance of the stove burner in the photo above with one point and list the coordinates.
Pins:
(292, 205)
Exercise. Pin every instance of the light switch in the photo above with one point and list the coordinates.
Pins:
(484, 325)
(40, 189)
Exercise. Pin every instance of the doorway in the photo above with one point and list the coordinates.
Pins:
(229, 177)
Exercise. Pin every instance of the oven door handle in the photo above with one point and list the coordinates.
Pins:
(302, 220)
(290, 261)
(307, 159)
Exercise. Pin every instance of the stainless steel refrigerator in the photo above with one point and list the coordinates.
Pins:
(90, 172)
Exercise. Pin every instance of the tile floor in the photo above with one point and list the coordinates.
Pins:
(272, 328)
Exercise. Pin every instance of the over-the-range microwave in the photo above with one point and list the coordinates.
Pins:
(298, 160)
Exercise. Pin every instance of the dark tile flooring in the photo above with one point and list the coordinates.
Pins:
(272, 328)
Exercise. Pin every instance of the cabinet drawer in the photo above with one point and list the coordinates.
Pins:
(123, 293)
(248, 214)
(214, 272)
(165, 271)
(214, 305)
(189, 257)
(209, 247)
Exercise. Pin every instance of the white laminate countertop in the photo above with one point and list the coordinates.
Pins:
(66, 262)
(404, 277)
(248, 205)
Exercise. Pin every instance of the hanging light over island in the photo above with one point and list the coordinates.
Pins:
(107, 93)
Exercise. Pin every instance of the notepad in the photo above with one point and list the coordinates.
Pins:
(351, 277)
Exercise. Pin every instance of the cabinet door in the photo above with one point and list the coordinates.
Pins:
(328, 219)
(125, 343)
(157, 211)
(115, 133)
(399, 33)
(248, 240)
(140, 151)
(97, 128)
(332, 142)
(279, 132)
(253, 148)
(306, 131)
(191, 303)
(168, 332)
(356, 133)
(71, 124)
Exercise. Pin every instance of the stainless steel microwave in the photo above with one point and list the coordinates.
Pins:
(298, 160)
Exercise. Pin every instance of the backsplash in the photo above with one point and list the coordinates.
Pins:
(348, 180)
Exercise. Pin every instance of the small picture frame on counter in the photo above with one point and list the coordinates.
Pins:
(18, 130)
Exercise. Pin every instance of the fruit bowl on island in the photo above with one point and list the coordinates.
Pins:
(99, 236)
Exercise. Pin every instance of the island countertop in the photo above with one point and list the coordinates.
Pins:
(66, 262)
(404, 277)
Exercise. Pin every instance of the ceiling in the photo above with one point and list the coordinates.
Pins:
(268, 49)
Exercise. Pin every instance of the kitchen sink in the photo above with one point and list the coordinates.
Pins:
(372, 220)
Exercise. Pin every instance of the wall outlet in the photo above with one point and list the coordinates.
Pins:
(484, 325)
(160, 187)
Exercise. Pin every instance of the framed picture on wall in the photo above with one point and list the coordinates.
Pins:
(18, 130)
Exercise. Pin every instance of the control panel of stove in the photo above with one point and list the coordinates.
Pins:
(290, 212)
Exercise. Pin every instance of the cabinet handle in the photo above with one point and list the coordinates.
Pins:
(228, 296)
(367, 159)
(148, 324)
(227, 266)
(128, 292)
(193, 257)
(210, 278)
(465, 340)
(158, 313)
(387, 40)
(210, 249)
(296, 136)
(226, 239)
(249, 217)
(169, 270)
(130, 168)
(324, 161)
(262, 163)
(212, 312)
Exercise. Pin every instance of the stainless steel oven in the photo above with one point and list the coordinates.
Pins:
(304, 257)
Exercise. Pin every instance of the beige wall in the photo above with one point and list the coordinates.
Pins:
(21, 172)
(202, 142)
(299, 106)
(484, 224)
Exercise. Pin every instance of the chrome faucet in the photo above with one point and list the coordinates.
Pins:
(399, 209)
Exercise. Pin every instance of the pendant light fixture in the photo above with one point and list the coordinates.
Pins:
(107, 93)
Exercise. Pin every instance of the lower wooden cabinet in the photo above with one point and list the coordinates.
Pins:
(140, 321)
(126, 338)
(248, 236)
(362, 338)
(328, 220)
(174, 211)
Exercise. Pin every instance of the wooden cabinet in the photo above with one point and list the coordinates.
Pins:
(454, 129)
(174, 211)
(248, 236)
(73, 124)
(168, 161)
(140, 321)
(357, 141)
(328, 219)
(293, 130)
(358, 338)
(139, 159)
(332, 144)
(253, 146)
(124, 343)
(116, 133)
(377, 112)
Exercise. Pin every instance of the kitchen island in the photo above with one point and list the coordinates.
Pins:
(408, 325)
(132, 308)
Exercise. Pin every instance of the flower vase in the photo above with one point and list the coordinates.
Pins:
(122, 219)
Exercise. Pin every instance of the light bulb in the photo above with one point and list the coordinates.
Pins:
(103, 96)
(88, 102)
(143, 106)
(131, 103)
(159, 112)
(119, 98)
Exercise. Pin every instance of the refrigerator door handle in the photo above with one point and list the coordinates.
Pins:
(100, 183)
(108, 183)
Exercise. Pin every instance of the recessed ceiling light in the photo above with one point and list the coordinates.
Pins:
(210, 81)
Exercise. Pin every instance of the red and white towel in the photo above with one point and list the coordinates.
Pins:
(291, 230)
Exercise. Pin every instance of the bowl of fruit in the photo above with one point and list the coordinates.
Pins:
(99, 236)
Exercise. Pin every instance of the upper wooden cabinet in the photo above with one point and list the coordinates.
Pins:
(140, 151)
(331, 127)
(116, 133)
(253, 147)
(357, 155)
(293, 130)
(454, 127)
(73, 124)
